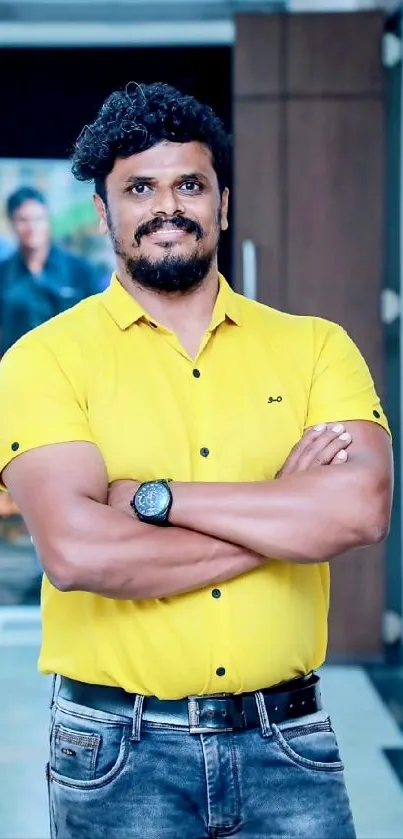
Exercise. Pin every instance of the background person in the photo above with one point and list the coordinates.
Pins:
(40, 279)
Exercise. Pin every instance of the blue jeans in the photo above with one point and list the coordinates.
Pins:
(112, 777)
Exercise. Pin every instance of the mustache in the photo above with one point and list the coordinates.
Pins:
(156, 224)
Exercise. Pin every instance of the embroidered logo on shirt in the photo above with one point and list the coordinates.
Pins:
(275, 399)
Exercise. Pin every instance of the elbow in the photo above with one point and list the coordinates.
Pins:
(62, 581)
(61, 578)
(368, 526)
(376, 523)
(377, 531)
(60, 569)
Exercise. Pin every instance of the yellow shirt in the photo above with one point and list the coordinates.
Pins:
(106, 373)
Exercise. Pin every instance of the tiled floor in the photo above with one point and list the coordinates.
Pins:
(370, 738)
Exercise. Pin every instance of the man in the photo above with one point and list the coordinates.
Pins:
(187, 462)
(39, 279)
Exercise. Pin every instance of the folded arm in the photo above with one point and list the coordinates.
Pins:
(309, 516)
(85, 545)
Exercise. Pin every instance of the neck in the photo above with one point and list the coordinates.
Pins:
(177, 312)
(35, 259)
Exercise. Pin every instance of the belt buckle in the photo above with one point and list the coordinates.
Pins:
(194, 715)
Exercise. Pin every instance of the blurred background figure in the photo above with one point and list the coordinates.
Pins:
(6, 248)
(40, 279)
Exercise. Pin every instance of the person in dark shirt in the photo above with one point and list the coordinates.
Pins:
(40, 279)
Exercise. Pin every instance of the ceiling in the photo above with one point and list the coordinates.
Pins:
(144, 22)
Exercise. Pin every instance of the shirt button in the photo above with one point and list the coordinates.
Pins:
(196, 373)
(220, 671)
(376, 414)
(15, 447)
(204, 452)
(216, 593)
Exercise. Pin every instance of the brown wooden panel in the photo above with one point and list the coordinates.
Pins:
(335, 215)
(334, 269)
(257, 54)
(334, 53)
(257, 173)
(357, 594)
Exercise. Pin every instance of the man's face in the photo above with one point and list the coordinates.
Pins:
(31, 226)
(164, 215)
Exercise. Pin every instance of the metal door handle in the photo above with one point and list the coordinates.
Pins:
(249, 269)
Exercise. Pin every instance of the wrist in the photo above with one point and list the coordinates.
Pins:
(186, 503)
(120, 494)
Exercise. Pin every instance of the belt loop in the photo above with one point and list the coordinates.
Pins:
(263, 716)
(137, 715)
(54, 690)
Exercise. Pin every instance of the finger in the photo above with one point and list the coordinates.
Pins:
(333, 450)
(322, 451)
(340, 457)
(338, 448)
(312, 434)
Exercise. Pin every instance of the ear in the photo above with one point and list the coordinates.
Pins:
(224, 209)
(101, 213)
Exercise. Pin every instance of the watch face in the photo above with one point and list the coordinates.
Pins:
(152, 499)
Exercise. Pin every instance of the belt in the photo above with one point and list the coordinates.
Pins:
(204, 714)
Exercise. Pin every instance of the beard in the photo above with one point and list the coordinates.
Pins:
(170, 274)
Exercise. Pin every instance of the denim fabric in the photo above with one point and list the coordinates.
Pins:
(276, 781)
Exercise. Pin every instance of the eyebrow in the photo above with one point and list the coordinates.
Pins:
(132, 180)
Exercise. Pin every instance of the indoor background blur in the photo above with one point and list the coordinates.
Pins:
(312, 91)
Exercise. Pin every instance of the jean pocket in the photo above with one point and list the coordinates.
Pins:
(311, 745)
(86, 749)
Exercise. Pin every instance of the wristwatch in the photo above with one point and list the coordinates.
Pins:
(152, 502)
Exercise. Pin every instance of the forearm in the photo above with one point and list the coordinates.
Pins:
(307, 517)
(107, 552)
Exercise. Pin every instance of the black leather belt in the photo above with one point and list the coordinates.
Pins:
(203, 714)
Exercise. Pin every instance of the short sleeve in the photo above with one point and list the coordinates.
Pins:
(342, 386)
(39, 404)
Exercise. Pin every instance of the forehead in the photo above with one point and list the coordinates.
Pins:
(31, 209)
(164, 161)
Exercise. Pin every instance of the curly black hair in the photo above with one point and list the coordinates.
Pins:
(141, 116)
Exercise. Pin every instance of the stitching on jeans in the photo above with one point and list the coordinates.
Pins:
(304, 730)
(304, 762)
(160, 726)
(110, 776)
(77, 737)
(237, 785)
(137, 717)
(263, 715)
(123, 721)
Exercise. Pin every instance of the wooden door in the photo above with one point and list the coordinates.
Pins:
(308, 183)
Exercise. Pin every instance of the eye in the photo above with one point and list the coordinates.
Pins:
(140, 189)
(191, 186)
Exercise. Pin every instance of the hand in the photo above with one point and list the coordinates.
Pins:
(322, 445)
(120, 494)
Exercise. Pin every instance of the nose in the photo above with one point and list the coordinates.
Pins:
(167, 202)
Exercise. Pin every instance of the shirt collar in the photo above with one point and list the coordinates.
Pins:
(125, 310)
(226, 306)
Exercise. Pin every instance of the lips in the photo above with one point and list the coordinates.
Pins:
(168, 230)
